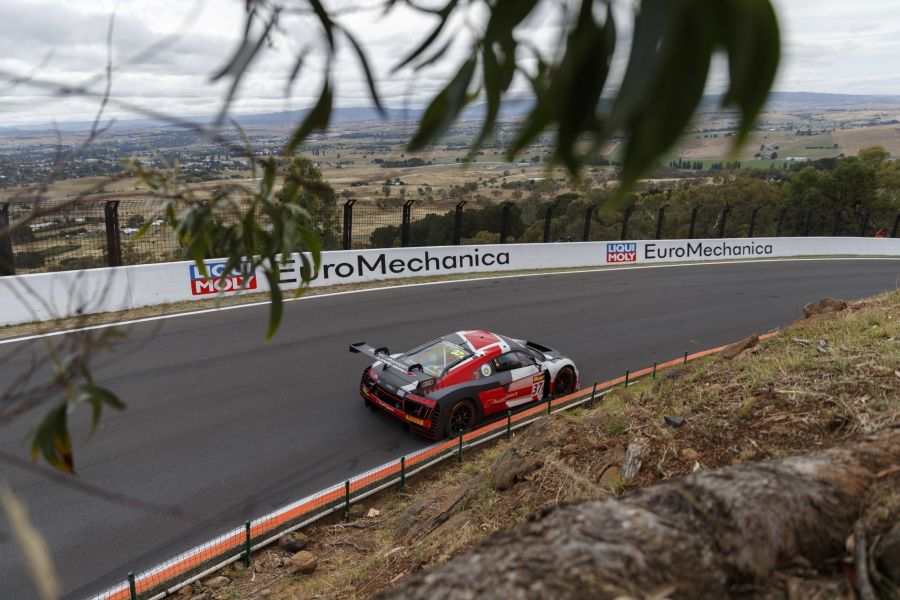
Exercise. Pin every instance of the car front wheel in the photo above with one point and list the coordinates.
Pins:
(462, 417)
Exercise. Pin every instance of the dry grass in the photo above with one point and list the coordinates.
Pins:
(821, 381)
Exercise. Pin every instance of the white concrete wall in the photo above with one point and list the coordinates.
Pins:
(43, 296)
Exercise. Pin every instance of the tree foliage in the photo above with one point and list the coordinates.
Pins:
(651, 106)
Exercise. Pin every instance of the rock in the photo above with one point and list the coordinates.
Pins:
(408, 517)
(887, 555)
(690, 454)
(264, 593)
(569, 449)
(631, 466)
(512, 467)
(303, 562)
(217, 582)
(540, 434)
(293, 542)
(185, 592)
(373, 512)
(732, 350)
(610, 476)
(673, 373)
(438, 506)
(823, 307)
(674, 421)
(238, 566)
(202, 596)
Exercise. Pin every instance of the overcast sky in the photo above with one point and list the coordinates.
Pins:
(829, 46)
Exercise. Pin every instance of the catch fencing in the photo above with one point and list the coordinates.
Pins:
(133, 231)
(240, 543)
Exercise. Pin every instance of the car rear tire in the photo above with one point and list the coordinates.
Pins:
(462, 417)
(565, 382)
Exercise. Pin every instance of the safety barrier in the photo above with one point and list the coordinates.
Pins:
(44, 296)
(241, 542)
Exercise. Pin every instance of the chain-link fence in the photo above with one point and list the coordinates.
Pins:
(240, 543)
(133, 231)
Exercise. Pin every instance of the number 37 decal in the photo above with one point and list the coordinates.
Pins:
(537, 388)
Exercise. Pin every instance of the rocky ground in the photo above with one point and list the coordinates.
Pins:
(824, 380)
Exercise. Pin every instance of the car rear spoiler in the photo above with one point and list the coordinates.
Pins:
(381, 354)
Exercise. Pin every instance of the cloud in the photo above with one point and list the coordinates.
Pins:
(829, 46)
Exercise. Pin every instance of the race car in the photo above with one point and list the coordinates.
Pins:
(452, 383)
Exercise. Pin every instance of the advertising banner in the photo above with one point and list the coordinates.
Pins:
(45, 296)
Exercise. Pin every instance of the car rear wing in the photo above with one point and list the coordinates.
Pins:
(380, 354)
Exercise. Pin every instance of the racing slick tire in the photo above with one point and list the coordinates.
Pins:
(462, 417)
(565, 382)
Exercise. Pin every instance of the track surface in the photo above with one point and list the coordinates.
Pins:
(228, 427)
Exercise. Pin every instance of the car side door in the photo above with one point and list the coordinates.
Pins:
(524, 381)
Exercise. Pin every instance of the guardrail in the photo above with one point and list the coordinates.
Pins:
(44, 296)
(239, 543)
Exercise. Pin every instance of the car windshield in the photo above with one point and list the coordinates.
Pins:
(436, 357)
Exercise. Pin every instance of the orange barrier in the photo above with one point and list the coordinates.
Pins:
(327, 501)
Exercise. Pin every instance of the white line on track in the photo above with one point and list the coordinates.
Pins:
(444, 282)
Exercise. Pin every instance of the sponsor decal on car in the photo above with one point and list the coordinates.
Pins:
(621, 252)
(217, 280)
(413, 419)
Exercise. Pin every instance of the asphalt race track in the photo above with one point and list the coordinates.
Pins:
(227, 427)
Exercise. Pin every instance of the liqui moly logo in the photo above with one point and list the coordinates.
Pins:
(621, 252)
(218, 280)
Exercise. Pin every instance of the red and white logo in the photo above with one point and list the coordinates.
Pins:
(621, 252)
(214, 282)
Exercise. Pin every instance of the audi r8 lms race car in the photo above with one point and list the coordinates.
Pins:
(452, 383)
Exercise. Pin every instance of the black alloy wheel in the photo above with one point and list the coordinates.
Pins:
(565, 382)
(462, 417)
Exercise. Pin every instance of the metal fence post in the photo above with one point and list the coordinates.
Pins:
(865, 224)
(627, 376)
(402, 473)
(131, 586)
(404, 226)
(504, 221)
(113, 241)
(247, 546)
(460, 446)
(548, 217)
(807, 220)
(780, 222)
(693, 222)
(660, 215)
(347, 241)
(896, 226)
(685, 358)
(590, 402)
(625, 216)
(837, 223)
(457, 222)
(752, 225)
(347, 501)
(654, 369)
(7, 266)
(588, 217)
(508, 424)
(723, 216)
(549, 406)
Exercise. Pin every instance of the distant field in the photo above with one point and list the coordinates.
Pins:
(886, 136)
